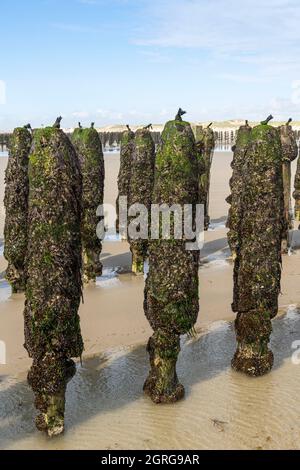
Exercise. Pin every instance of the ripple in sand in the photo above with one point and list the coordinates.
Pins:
(222, 409)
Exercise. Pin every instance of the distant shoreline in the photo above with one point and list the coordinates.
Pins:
(216, 125)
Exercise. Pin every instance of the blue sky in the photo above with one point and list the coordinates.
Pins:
(137, 61)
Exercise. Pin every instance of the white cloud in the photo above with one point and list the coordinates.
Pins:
(261, 32)
(81, 114)
(109, 114)
(156, 57)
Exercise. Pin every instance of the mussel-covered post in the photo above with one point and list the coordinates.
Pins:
(257, 246)
(53, 264)
(171, 293)
(296, 193)
(140, 192)
(16, 206)
(89, 150)
(236, 183)
(237, 186)
(205, 139)
(289, 153)
(127, 144)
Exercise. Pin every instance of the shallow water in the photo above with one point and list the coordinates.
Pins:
(222, 409)
(218, 259)
(5, 290)
(108, 279)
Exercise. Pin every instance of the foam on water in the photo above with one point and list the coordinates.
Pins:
(222, 409)
(218, 259)
(108, 279)
(213, 226)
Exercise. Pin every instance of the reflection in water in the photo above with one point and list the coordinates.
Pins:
(5, 290)
(222, 409)
(108, 279)
(218, 259)
(216, 226)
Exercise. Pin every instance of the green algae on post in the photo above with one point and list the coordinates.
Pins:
(89, 150)
(237, 186)
(140, 190)
(289, 153)
(16, 207)
(296, 193)
(237, 183)
(53, 267)
(205, 139)
(127, 143)
(256, 249)
(171, 292)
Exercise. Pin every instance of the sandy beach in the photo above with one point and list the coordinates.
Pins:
(106, 408)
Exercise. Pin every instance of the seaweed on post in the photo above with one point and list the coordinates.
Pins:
(205, 139)
(89, 150)
(289, 153)
(53, 273)
(16, 206)
(140, 190)
(237, 186)
(127, 143)
(171, 293)
(257, 245)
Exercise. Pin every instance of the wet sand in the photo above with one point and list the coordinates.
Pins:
(105, 404)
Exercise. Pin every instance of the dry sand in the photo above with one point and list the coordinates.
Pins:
(105, 404)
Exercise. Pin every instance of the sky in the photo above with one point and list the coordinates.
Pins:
(137, 61)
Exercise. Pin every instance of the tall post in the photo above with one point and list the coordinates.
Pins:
(89, 150)
(53, 265)
(237, 186)
(171, 293)
(205, 139)
(257, 244)
(127, 145)
(140, 192)
(16, 206)
(289, 153)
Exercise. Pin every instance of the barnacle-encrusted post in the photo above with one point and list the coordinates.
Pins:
(256, 240)
(140, 190)
(237, 183)
(171, 292)
(16, 206)
(289, 153)
(127, 143)
(296, 193)
(53, 264)
(205, 139)
(89, 150)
